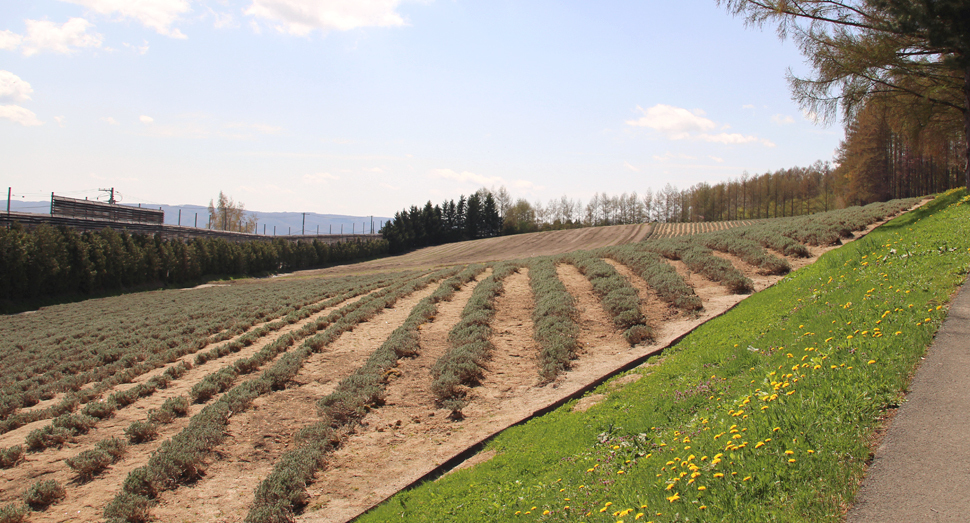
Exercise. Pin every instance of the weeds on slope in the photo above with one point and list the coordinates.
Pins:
(763, 414)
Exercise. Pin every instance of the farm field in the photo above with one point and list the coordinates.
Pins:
(767, 413)
(314, 398)
(499, 248)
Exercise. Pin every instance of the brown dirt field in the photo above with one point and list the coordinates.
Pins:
(400, 438)
(258, 437)
(498, 249)
(83, 498)
(398, 442)
(177, 387)
(189, 358)
(653, 308)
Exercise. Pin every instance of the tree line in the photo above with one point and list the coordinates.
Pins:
(469, 219)
(51, 261)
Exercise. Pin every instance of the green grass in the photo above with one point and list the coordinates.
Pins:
(770, 408)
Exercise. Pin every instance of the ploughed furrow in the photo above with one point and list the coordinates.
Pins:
(401, 439)
(657, 311)
(127, 399)
(85, 500)
(597, 336)
(257, 437)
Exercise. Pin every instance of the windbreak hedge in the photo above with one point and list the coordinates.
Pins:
(52, 261)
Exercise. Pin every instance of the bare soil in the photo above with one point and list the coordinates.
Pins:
(409, 436)
(498, 248)
(257, 437)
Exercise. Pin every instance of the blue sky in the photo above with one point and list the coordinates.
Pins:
(367, 106)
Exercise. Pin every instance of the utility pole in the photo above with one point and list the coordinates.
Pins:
(180, 217)
(111, 199)
(303, 229)
(196, 220)
(8, 200)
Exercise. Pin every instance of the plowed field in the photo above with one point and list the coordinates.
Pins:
(398, 436)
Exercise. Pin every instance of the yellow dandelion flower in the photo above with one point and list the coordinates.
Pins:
(871, 362)
(702, 488)
(545, 512)
(746, 478)
(791, 460)
(759, 444)
(673, 498)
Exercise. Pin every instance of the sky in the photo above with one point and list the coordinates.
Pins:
(365, 107)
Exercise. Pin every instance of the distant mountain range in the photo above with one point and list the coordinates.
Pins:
(283, 223)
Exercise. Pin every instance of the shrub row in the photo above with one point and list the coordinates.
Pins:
(748, 250)
(217, 382)
(773, 240)
(658, 274)
(284, 489)
(57, 433)
(221, 380)
(180, 459)
(553, 318)
(620, 300)
(464, 363)
(74, 350)
(89, 463)
(701, 259)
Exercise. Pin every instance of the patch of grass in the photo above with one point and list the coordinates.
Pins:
(762, 414)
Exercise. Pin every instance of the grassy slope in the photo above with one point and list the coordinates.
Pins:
(763, 414)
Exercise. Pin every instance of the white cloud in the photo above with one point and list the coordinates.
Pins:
(146, 119)
(733, 139)
(18, 114)
(60, 120)
(9, 40)
(465, 176)
(13, 88)
(480, 180)
(716, 159)
(675, 122)
(671, 156)
(318, 178)
(300, 17)
(109, 120)
(44, 35)
(632, 168)
(747, 106)
(781, 119)
(680, 124)
(155, 14)
(376, 170)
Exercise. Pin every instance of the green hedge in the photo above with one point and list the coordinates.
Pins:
(52, 261)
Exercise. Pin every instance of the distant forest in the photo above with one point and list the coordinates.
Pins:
(890, 151)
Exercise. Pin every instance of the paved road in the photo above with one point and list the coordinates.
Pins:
(921, 472)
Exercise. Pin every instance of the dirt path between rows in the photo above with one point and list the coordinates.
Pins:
(85, 500)
(257, 437)
(402, 437)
